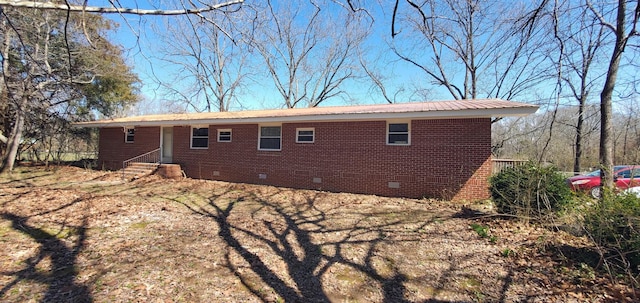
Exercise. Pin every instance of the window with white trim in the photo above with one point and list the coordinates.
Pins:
(398, 133)
(200, 137)
(270, 138)
(224, 135)
(129, 134)
(305, 135)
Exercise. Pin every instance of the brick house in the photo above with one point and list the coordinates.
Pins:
(433, 149)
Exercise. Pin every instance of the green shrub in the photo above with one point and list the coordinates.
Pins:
(614, 225)
(529, 191)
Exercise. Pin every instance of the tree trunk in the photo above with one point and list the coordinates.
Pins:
(13, 142)
(606, 132)
(4, 94)
(578, 157)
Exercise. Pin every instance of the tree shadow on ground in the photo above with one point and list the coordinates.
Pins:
(23, 181)
(291, 232)
(54, 263)
(288, 248)
(62, 274)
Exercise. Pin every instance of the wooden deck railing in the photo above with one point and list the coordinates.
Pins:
(500, 164)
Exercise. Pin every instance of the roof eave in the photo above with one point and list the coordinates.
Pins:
(445, 114)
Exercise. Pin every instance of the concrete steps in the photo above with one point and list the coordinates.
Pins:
(136, 170)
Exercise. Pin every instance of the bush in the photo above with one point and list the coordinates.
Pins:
(614, 225)
(529, 191)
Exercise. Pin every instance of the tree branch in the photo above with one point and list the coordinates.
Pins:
(601, 18)
(114, 10)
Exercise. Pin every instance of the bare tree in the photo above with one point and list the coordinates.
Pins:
(45, 63)
(581, 40)
(308, 52)
(378, 66)
(627, 126)
(616, 19)
(209, 60)
(529, 137)
(471, 48)
(378, 78)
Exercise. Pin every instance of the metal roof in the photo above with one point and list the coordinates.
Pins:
(476, 108)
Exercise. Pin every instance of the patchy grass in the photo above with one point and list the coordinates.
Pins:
(74, 235)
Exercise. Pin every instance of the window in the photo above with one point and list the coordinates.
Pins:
(129, 133)
(629, 173)
(199, 137)
(270, 138)
(224, 135)
(305, 135)
(625, 174)
(398, 134)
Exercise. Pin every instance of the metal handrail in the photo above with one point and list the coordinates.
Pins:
(149, 157)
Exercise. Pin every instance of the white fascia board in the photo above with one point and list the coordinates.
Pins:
(427, 115)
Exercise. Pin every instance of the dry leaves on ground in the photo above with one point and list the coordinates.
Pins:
(75, 235)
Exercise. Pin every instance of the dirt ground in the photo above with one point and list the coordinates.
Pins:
(74, 235)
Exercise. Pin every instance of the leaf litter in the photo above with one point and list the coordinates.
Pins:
(77, 235)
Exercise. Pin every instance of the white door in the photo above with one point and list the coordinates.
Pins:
(167, 145)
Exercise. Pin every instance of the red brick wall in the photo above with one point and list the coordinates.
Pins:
(113, 150)
(449, 158)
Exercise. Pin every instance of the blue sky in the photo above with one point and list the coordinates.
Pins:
(140, 44)
(142, 47)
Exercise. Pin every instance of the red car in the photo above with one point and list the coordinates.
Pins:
(625, 176)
